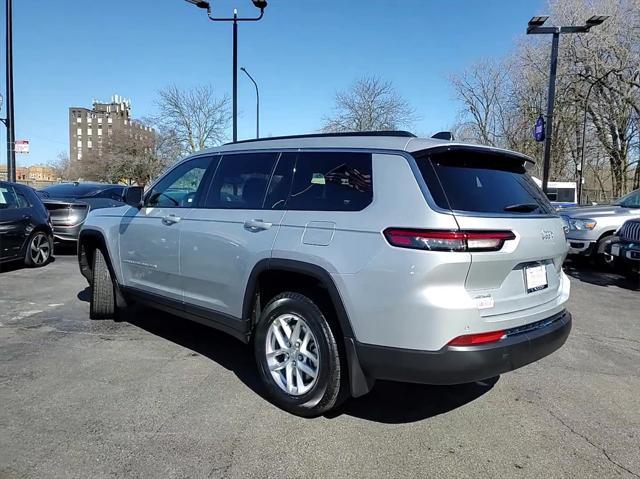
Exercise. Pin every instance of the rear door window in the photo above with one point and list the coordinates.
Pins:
(331, 181)
(481, 182)
(241, 181)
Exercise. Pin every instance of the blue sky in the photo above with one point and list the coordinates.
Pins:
(68, 52)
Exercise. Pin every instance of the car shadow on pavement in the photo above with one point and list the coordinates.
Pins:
(16, 265)
(599, 275)
(398, 403)
(388, 402)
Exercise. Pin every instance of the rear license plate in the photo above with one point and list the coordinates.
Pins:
(535, 278)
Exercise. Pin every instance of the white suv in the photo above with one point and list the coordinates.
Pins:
(343, 259)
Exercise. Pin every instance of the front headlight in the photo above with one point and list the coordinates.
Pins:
(578, 224)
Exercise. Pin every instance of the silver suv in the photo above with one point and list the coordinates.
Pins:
(343, 259)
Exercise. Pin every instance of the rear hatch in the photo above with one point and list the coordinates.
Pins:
(490, 190)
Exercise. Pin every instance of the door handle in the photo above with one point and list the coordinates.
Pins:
(26, 217)
(256, 225)
(170, 219)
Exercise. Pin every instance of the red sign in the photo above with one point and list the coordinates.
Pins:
(22, 146)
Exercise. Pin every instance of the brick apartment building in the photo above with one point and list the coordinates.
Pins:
(91, 129)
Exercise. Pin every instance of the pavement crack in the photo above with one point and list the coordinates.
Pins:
(591, 443)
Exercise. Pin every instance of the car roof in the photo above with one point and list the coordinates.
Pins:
(92, 184)
(396, 141)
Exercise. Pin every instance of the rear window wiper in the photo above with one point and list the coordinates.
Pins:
(522, 207)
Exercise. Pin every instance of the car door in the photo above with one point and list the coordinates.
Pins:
(14, 221)
(150, 236)
(236, 229)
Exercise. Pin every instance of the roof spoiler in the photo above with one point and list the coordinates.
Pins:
(443, 135)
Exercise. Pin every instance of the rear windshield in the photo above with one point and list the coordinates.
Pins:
(71, 190)
(481, 182)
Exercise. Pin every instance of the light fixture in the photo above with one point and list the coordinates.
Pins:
(200, 4)
(538, 21)
(596, 20)
(261, 4)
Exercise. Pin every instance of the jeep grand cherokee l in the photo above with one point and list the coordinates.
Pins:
(343, 259)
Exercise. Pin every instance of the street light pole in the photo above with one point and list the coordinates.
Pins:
(257, 102)
(535, 28)
(261, 4)
(9, 121)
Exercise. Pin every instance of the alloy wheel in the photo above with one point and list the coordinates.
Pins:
(40, 249)
(292, 354)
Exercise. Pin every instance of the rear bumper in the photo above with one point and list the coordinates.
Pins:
(66, 233)
(463, 364)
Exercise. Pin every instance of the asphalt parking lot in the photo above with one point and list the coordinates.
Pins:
(158, 396)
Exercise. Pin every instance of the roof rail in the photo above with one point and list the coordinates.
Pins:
(399, 133)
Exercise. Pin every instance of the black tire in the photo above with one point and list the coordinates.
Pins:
(42, 256)
(601, 254)
(102, 305)
(326, 392)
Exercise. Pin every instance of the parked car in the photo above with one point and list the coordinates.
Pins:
(69, 204)
(592, 228)
(625, 248)
(344, 258)
(26, 233)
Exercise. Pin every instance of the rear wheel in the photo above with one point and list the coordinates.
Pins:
(298, 356)
(39, 250)
(102, 305)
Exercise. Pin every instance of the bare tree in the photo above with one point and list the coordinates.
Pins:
(501, 99)
(194, 119)
(125, 159)
(370, 104)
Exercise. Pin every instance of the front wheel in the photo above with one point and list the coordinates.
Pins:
(298, 356)
(103, 303)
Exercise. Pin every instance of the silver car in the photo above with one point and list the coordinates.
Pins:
(343, 259)
(592, 228)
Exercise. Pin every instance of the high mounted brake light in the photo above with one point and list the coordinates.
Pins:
(439, 240)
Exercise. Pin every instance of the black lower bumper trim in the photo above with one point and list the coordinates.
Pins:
(464, 364)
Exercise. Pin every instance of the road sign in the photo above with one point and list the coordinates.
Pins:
(22, 146)
(538, 131)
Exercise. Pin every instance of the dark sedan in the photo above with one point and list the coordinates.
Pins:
(25, 227)
(69, 204)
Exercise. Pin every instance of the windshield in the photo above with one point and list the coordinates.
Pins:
(631, 200)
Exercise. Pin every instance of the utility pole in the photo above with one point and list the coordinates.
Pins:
(535, 28)
(9, 121)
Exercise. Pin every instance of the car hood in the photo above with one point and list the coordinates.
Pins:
(598, 211)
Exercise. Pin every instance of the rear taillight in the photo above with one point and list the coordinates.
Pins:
(475, 339)
(438, 240)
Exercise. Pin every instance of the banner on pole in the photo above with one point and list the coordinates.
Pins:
(22, 146)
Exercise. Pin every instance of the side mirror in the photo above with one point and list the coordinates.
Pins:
(133, 196)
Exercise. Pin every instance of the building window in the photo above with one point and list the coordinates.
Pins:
(89, 131)
(89, 120)
(89, 144)
(79, 131)
(109, 120)
(79, 144)
(99, 122)
(78, 120)
(100, 131)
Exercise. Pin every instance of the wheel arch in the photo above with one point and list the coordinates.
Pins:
(88, 241)
(359, 383)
